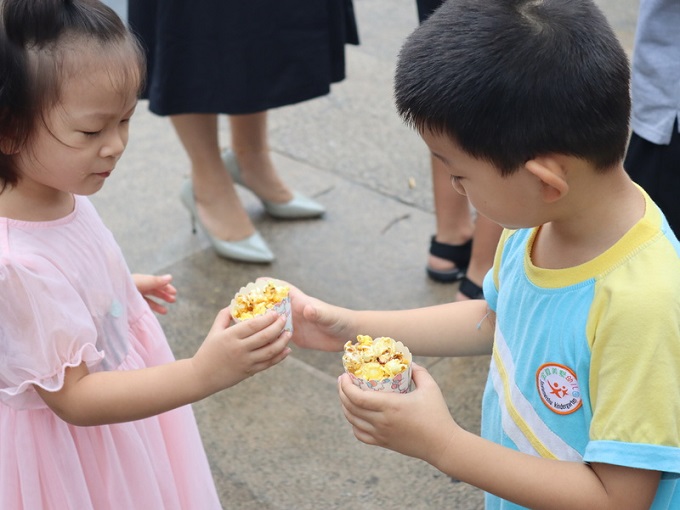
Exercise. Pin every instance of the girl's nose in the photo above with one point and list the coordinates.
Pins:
(115, 144)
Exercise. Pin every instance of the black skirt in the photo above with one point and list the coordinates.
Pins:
(240, 56)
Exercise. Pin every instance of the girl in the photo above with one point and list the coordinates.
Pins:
(93, 407)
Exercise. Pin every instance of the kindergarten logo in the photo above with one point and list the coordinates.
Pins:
(558, 388)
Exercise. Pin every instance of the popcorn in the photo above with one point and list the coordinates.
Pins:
(257, 298)
(380, 364)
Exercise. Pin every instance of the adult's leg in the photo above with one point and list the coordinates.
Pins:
(217, 202)
(484, 243)
(250, 144)
(454, 225)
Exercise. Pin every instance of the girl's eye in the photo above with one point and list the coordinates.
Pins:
(455, 179)
(91, 133)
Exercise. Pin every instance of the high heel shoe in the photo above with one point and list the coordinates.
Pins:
(299, 207)
(250, 249)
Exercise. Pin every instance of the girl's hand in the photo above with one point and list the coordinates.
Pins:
(417, 424)
(318, 325)
(158, 287)
(229, 355)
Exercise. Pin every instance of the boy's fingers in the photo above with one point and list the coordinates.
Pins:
(310, 313)
(356, 399)
(421, 377)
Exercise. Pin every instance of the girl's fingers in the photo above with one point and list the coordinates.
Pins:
(170, 297)
(272, 349)
(260, 330)
(157, 307)
(264, 365)
(222, 320)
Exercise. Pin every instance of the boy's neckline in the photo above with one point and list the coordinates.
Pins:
(644, 229)
(592, 233)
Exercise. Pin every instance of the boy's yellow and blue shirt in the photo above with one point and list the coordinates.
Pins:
(586, 360)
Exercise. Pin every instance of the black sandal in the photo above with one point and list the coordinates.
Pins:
(470, 289)
(459, 254)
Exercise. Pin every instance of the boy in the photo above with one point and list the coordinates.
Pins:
(526, 103)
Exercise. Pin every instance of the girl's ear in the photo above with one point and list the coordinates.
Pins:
(552, 175)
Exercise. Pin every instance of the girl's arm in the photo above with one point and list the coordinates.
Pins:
(227, 356)
(453, 329)
(420, 425)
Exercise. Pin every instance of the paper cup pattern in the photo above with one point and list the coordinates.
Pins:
(259, 297)
(382, 364)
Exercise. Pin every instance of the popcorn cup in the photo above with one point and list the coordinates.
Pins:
(369, 374)
(257, 298)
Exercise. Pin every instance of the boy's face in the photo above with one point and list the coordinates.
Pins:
(512, 201)
(79, 141)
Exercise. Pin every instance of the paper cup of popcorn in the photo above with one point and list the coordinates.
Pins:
(258, 298)
(380, 365)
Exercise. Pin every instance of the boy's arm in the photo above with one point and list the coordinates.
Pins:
(420, 425)
(463, 328)
(454, 329)
(536, 482)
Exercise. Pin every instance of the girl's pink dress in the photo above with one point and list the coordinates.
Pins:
(66, 296)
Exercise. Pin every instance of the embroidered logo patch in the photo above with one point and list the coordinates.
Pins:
(558, 388)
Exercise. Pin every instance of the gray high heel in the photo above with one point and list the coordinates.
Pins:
(299, 207)
(250, 249)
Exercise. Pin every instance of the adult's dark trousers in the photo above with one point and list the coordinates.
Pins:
(427, 7)
(657, 169)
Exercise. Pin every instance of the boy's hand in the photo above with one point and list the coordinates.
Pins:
(318, 325)
(229, 355)
(158, 287)
(417, 424)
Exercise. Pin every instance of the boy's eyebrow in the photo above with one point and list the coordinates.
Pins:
(440, 157)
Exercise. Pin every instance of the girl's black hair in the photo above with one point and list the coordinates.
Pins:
(41, 27)
(509, 80)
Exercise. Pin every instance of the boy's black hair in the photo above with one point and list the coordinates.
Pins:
(509, 80)
(35, 37)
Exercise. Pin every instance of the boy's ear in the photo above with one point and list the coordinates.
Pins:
(8, 147)
(552, 175)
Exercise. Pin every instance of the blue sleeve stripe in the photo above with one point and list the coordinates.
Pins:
(643, 456)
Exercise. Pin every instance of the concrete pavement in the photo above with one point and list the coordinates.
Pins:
(278, 440)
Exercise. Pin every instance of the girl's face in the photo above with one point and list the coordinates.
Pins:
(512, 201)
(79, 141)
